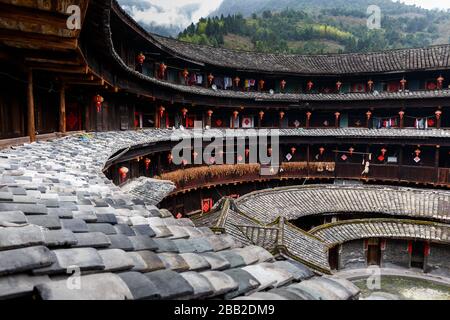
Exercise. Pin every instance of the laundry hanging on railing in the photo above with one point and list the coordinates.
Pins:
(386, 122)
(424, 123)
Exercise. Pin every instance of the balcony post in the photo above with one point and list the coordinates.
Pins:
(30, 107)
(62, 109)
(400, 161)
(368, 116)
(307, 158)
(436, 162)
(438, 118)
(308, 119)
(336, 122)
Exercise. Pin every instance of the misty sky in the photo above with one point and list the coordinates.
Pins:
(181, 13)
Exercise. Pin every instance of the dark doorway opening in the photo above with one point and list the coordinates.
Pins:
(333, 258)
(418, 254)
(373, 252)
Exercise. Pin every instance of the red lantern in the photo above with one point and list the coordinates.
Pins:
(140, 58)
(169, 158)
(351, 150)
(417, 152)
(293, 150)
(370, 85)
(283, 84)
(282, 114)
(368, 115)
(261, 115)
(337, 115)
(185, 74)
(161, 111)
(321, 150)
(440, 82)
(147, 163)
(338, 86)
(261, 84)
(162, 70)
(383, 151)
(235, 114)
(247, 152)
(308, 115)
(310, 85)
(184, 111)
(401, 114)
(403, 84)
(98, 99)
(237, 80)
(123, 171)
(438, 114)
(210, 79)
(210, 113)
(207, 205)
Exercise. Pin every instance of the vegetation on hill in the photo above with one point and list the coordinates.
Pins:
(341, 29)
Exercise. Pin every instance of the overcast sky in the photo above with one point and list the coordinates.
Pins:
(183, 12)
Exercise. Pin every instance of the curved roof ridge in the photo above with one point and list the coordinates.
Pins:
(392, 60)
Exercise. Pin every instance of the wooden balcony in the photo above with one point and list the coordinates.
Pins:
(210, 176)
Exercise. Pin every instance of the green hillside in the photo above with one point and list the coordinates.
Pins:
(322, 30)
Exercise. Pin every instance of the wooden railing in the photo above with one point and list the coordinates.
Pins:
(205, 176)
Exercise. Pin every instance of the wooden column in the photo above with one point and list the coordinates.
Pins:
(402, 119)
(30, 107)
(337, 115)
(308, 119)
(436, 162)
(62, 109)
(308, 158)
(438, 118)
(368, 117)
(400, 161)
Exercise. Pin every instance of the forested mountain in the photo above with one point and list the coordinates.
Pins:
(318, 26)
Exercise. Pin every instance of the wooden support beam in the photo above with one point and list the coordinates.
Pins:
(62, 109)
(30, 107)
(20, 39)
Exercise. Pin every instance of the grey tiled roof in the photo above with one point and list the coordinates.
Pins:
(296, 202)
(344, 231)
(59, 214)
(152, 191)
(436, 57)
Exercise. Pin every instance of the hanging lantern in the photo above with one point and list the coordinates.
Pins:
(370, 85)
(308, 115)
(147, 163)
(162, 69)
(337, 115)
(293, 150)
(321, 150)
(283, 84)
(210, 79)
(282, 114)
(310, 85)
(209, 113)
(247, 152)
(403, 84)
(235, 114)
(261, 84)
(351, 150)
(417, 152)
(417, 158)
(169, 158)
(261, 115)
(140, 58)
(123, 171)
(368, 115)
(161, 111)
(401, 114)
(383, 151)
(184, 112)
(237, 80)
(98, 99)
(185, 74)
(438, 114)
(338, 86)
(440, 82)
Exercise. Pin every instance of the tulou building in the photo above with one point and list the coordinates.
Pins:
(297, 173)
